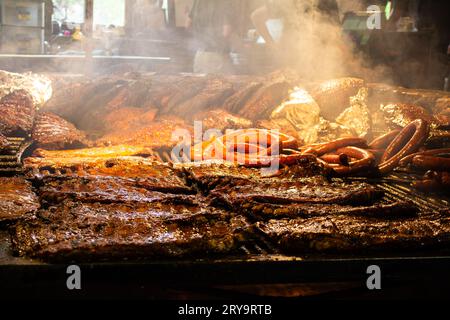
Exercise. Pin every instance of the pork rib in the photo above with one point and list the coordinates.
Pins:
(52, 132)
(93, 232)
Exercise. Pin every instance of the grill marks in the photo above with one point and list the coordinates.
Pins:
(52, 132)
(17, 111)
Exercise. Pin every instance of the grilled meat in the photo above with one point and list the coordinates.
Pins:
(17, 110)
(333, 96)
(147, 174)
(108, 189)
(125, 119)
(313, 190)
(399, 115)
(54, 133)
(216, 90)
(185, 89)
(156, 135)
(37, 86)
(17, 199)
(211, 175)
(262, 102)
(221, 120)
(343, 233)
(93, 232)
(432, 100)
(266, 211)
(100, 152)
(237, 101)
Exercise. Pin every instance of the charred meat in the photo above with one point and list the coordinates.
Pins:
(17, 199)
(344, 233)
(221, 120)
(52, 132)
(333, 96)
(92, 232)
(147, 174)
(17, 110)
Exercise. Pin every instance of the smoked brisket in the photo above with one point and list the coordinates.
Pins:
(17, 199)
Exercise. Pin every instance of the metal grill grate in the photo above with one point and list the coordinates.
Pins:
(10, 159)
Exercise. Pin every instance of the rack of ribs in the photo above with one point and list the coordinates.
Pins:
(17, 199)
(147, 174)
(17, 111)
(52, 132)
(93, 232)
(346, 233)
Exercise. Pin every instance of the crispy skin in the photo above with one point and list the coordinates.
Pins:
(52, 132)
(333, 96)
(149, 174)
(92, 232)
(343, 233)
(17, 113)
(55, 189)
(17, 199)
(312, 190)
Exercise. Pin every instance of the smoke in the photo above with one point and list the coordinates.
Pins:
(316, 47)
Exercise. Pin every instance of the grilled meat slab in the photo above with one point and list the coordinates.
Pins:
(220, 119)
(266, 211)
(17, 199)
(156, 135)
(343, 233)
(265, 99)
(52, 132)
(220, 174)
(237, 101)
(216, 90)
(92, 232)
(149, 174)
(100, 152)
(17, 113)
(308, 190)
(399, 115)
(108, 189)
(333, 96)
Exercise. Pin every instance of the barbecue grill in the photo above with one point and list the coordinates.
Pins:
(309, 180)
(257, 269)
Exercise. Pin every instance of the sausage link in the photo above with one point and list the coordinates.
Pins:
(407, 160)
(431, 163)
(328, 147)
(409, 140)
(365, 160)
(383, 141)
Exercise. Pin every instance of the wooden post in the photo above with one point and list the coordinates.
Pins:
(88, 33)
